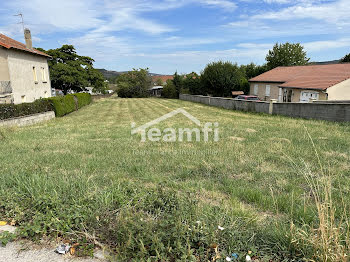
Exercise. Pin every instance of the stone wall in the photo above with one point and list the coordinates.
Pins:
(339, 112)
(28, 120)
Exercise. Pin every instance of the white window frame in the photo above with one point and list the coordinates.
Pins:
(267, 90)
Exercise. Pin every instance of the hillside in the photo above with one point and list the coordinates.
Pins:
(110, 74)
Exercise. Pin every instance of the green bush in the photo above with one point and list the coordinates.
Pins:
(63, 105)
(169, 90)
(83, 99)
(10, 110)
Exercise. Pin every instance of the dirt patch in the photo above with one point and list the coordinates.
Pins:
(213, 198)
(24, 252)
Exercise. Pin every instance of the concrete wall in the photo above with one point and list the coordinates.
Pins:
(340, 91)
(20, 66)
(4, 69)
(324, 111)
(28, 120)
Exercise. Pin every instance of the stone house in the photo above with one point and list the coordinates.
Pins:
(24, 71)
(303, 83)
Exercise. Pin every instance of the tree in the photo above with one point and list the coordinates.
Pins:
(345, 59)
(252, 70)
(220, 78)
(68, 70)
(178, 83)
(192, 83)
(159, 82)
(286, 55)
(169, 90)
(135, 83)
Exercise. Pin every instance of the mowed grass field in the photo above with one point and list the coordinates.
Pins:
(84, 177)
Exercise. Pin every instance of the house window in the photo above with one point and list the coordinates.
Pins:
(43, 75)
(267, 91)
(34, 75)
(23, 99)
(256, 89)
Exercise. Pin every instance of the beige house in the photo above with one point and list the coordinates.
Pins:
(303, 83)
(24, 72)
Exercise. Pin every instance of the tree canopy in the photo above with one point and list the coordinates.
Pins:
(68, 70)
(286, 55)
(192, 83)
(346, 59)
(135, 83)
(220, 78)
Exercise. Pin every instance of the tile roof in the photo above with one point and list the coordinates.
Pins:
(164, 78)
(307, 77)
(8, 43)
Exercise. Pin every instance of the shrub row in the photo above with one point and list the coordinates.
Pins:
(83, 99)
(62, 105)
(11, 110)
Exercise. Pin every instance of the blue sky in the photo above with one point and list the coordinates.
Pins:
(182, 35)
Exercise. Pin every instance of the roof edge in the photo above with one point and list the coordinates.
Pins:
(277, 82)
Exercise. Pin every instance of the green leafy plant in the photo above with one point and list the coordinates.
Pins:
(6, 237)
(11, 110)
(63, 105)
(83, 99)
(287, 54)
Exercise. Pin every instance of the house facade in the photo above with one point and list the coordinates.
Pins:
(24, 71)
(303, 83)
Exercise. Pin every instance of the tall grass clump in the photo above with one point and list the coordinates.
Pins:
(328, 237)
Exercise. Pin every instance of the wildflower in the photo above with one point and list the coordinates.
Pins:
(220, 228)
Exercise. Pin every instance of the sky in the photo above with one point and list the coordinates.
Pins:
(181, 35)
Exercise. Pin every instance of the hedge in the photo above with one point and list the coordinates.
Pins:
(63, 105)
(11, 110)
(83, 99)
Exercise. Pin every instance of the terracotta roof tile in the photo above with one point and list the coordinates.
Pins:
(8, 43)
(164, 78)
(307, 77)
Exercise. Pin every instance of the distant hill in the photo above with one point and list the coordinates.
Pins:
(110, 74)
(326, 62)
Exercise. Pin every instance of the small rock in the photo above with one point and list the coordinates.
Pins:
(7, 228)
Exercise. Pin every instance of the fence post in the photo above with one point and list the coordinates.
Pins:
(271, 105)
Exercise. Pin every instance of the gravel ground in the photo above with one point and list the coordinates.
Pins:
(19, 252)
(27, 252)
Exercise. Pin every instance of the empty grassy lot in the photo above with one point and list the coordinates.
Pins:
(85, 177)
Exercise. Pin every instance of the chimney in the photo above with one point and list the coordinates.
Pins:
(28, 38)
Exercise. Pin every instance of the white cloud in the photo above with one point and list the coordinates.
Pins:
(326, 45)
(337, 12)
(59, 15)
